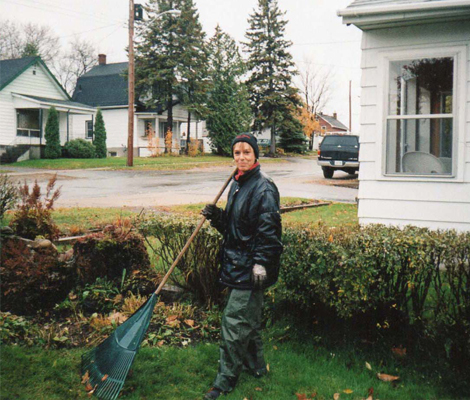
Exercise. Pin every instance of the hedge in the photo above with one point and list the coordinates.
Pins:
(389, 277)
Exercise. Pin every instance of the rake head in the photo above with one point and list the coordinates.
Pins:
(104, 369)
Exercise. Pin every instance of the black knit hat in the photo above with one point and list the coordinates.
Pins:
(247, 138)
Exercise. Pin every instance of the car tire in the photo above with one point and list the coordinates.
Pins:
(328, 172)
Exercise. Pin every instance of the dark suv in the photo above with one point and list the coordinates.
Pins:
(339, 152)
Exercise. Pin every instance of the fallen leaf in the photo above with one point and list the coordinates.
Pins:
(172, 320)
(368, 366)
(117, 318)
(330, 239)
(336, 396)
(275, 347)
(347, 391)
(370, 393)
(91, 391)
(104, 377)
(189, 322)
(313, 395)
(399, 352)
(267, 367)
(258, 389)
(387, 378)
(301, 396)
(85, 378)
(160, 343)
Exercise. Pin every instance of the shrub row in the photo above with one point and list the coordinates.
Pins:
(384, 277)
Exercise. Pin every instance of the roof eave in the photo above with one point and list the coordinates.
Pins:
(405, 14)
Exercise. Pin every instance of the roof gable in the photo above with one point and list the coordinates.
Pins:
(333, 122)
(12, 69)
(103, 86)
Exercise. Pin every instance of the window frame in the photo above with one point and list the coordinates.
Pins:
(459, 55)
(29, 131)
(87, 129)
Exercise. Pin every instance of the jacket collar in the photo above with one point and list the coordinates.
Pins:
(242, 177)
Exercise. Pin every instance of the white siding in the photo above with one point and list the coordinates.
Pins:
(435, 203)
(38, 84)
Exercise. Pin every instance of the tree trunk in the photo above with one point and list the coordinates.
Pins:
(169, 119)
(272, 148)
(188, 136)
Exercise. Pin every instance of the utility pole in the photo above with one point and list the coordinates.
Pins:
(131, 78)
(350, 114)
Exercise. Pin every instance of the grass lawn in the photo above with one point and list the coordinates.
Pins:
(140, 163)
(333, 215)
(171, 373)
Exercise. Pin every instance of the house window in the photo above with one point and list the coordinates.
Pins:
(28, 123)
(89, 129)
(149, 130)
(162, 128)
(420, 118)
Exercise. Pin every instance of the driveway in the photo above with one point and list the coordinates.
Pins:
(102, 188)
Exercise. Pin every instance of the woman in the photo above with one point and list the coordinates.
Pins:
(251, 227)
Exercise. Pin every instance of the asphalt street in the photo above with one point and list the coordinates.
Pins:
(105, 188)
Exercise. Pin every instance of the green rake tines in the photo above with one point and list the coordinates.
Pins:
(107, 365)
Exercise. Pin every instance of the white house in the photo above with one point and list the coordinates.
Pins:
(415, 112)
(106, 86)
(27, 90)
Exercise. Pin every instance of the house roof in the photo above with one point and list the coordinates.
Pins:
(11, 69)
(55, 102)
(103, 86)
(367, 14)
(333, 122)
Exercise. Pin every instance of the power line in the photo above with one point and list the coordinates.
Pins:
(92, 30)
(56, 9)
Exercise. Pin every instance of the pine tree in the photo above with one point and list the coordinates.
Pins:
(170, 58)
(228, 109)
(272, 94)
(292, 138)
(52, 136)
(99, 139)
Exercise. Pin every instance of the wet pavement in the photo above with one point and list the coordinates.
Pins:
(108, 188)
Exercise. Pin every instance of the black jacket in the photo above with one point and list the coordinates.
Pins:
(251, 226)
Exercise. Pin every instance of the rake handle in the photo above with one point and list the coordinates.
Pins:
(190, 240)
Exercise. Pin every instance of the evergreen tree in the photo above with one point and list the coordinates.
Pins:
(228, 109)
(52, 136)
(272, 94)
(292, 138)
(170, 58)
(99, 139)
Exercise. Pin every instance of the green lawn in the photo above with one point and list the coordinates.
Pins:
(140, 163)
(333, 215)
(171, 373)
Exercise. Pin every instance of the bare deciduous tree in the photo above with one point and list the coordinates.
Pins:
(315, 86)
(77, 61)
(11, 43)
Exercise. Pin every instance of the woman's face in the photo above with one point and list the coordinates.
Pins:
(244, 156)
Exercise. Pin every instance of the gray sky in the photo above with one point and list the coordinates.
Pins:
(314, 28)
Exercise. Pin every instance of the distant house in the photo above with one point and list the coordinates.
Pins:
(415, 112)
(27, 90)
(329, 125)
(106, 86)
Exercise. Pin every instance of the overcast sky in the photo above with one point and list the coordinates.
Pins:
(314, 28)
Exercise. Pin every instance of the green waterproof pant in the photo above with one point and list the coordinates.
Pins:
(241, 346)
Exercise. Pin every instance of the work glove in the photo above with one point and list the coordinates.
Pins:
(259, 276)
(211, 212)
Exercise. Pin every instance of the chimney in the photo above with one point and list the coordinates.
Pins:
(335, 116)
(102, 59)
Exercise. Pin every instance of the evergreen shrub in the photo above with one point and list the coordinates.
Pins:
(80, 148)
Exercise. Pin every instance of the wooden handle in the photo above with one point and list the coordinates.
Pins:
(190, 240)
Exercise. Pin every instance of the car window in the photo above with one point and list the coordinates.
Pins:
(343, 140)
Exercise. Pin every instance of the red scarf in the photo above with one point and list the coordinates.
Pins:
(240, 173)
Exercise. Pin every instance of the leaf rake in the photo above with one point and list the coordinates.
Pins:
(104, 368)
